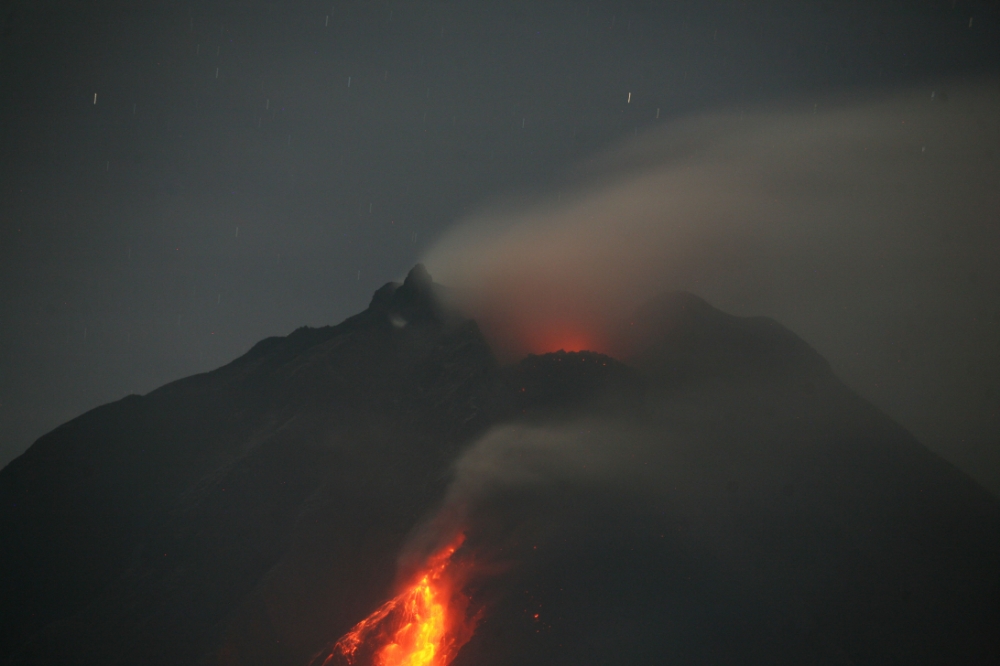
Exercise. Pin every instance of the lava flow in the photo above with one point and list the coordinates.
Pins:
(425, 625)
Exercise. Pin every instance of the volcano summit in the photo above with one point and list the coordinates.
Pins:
(385, 492)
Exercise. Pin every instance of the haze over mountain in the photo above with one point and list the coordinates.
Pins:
(180, 180)
(713, 495)
(866, 222)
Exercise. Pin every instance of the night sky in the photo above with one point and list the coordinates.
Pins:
(181, 180)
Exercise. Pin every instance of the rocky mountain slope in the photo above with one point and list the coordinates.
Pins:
(254, 513)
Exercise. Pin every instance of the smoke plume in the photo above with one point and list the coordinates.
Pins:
(869, 226)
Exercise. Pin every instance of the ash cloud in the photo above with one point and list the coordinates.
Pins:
(868, 226)
(507, 486)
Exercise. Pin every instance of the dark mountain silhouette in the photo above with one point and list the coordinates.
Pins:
(253, 514)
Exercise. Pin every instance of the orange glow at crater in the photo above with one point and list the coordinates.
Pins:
(513, 337)
(552, 338)
(546, 342)
(424, 625)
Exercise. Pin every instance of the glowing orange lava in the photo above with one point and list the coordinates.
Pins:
(425, 625)
(553, 338)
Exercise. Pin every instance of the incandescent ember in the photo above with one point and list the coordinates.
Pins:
(424, 625)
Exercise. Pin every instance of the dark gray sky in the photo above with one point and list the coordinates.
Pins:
(250, 167)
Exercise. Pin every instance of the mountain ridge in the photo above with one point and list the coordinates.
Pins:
(253, 513)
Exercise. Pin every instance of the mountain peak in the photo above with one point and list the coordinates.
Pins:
(714, 475)
(418, 278)
(417, 298)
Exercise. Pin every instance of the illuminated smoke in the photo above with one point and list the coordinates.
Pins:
(867, 226)
(738, 207)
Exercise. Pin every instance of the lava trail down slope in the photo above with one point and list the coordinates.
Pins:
(715, 495)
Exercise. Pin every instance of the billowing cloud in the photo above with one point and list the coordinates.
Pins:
(869, 226)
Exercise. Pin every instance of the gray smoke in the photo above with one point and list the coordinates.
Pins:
(869, 226)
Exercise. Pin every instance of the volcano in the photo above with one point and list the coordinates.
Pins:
(385, 492)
